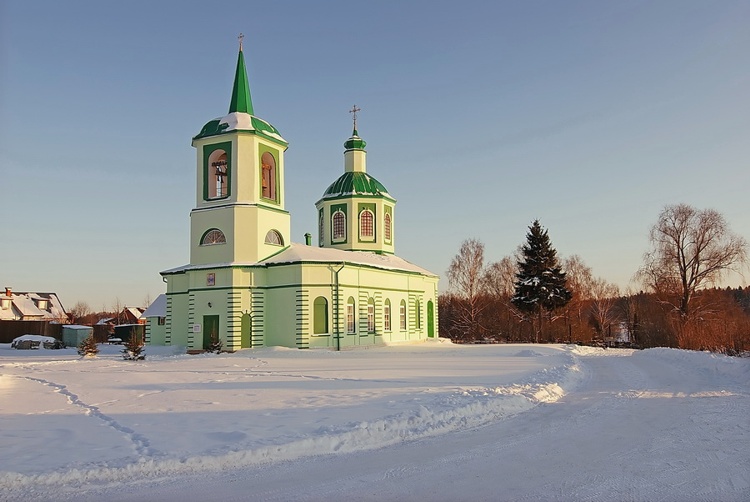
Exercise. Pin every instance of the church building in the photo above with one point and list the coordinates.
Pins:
(247, 285)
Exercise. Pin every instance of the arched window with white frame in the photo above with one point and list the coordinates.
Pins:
(351, 321)
(366, 225)
(274, 237)
(338, 224)
(402, 315)
(387, 227)
(212, 237)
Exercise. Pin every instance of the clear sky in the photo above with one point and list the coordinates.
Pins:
(479, 117)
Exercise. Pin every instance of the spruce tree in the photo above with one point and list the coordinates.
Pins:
(88, 347)
(133, 350)
(540, 282)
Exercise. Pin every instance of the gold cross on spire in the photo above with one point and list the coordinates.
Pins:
(240, 39)
(354, 111)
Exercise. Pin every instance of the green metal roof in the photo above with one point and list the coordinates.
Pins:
(241, 101)
(355, 142)
(240, 117)
(256, 125)
(355, 183)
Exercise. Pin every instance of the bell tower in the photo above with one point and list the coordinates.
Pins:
(239, 214)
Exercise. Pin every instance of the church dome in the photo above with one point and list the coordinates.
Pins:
(355, 183)
(355, 142)
(239, 121)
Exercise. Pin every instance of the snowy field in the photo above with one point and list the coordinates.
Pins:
(431, 421)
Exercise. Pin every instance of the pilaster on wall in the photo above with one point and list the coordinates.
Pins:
(234, 320)
(168, 323)
(303, 318)
(362, 312)
(337, 314)
(257, 308)
(191, 322)
(379, 327)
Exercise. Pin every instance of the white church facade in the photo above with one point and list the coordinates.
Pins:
(247, 285)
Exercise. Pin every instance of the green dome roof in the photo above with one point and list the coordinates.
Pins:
(355, 142)
(355, 183)
(237, 121)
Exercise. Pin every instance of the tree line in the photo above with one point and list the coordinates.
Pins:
(534, 296)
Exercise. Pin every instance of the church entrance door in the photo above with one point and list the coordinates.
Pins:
(210, 329)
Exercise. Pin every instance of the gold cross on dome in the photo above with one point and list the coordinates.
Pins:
(354, 111)
(240, 37)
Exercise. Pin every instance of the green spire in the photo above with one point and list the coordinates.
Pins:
(241, 101)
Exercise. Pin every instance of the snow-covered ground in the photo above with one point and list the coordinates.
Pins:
(431, 421)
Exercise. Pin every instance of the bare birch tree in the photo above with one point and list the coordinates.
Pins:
(466, 280)
(604, 297)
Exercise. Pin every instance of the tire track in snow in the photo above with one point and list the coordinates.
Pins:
(140, 443)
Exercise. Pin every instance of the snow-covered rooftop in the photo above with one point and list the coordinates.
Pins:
(297, 253)
(158, 308)
(27, 306)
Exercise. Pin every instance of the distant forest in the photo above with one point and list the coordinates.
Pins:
(642, 320)
(533, 296)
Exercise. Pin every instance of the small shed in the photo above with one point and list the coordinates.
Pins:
(73, 334)
(125, 331)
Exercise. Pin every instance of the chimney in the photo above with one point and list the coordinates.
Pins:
(308, 239)
(8, 291)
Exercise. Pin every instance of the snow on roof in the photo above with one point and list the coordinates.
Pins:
(301, 252)
(26, 306)
(158, 308)
(296, 253)
(136, 312)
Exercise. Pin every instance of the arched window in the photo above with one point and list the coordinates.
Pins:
(320, 315)
(273, 237)
(402, 315)
(218, 175)
(268, 176)
(387, 315)
(387, 227)
(213, 237)
(371, 316)
(417, 315)
(366, 225)
(351, 325)
(339, 226)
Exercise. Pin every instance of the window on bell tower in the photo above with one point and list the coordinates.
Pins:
(212, 237)
(217, 175)
(268, 176)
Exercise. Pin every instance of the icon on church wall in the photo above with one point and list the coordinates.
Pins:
(210, 279)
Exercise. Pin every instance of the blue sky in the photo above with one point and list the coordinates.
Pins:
(479, 117)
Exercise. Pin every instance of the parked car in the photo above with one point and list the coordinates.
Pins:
(28, 342)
